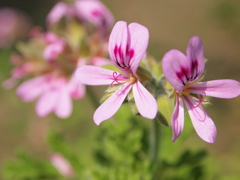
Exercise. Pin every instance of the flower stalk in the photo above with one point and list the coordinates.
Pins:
(155, 136)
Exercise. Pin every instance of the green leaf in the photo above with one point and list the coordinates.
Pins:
(143, 75)
(165, 107)
(26, 167)
(153, 66)
(162, 119)
(110, 67)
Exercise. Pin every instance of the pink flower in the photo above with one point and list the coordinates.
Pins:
(127, 46)
(14, 25)
(94, 12)
(183, 73)
(17, 73)
(55, 94)
(62, 165)
(55, 45)
(59, 11)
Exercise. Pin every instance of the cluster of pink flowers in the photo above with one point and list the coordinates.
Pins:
(127, 46)
(50, 58)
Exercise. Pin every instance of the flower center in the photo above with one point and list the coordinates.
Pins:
(119, 77)
(200, 99)
(132, 78)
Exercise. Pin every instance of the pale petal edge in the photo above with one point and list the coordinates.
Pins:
(205, 128)
(145, 102)
(177, 120)
(109, 107)
(172, 64)
(226, 88)
(93, 75)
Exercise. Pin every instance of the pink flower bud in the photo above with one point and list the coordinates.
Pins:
(62, 165)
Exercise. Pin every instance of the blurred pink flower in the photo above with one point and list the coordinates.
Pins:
(54, 94)
(184, 73)
(127, 46)
(62, 165)
(59, 11)
(93, 11)
(17, 73)
(14, 25)
(55, 45)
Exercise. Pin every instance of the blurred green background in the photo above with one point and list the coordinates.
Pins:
(171, 24)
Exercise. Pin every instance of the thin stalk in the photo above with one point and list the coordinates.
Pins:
(92, 96)
(154, 141)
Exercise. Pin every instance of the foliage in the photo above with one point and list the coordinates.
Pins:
(120, 152)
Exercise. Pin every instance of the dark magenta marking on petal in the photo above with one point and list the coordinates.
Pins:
(130, 54)
(183, 73)
(118, 51)
(96, 13)
(194, 69)
(179, 75)
(195, 64)
(120, 59)
(115, 51)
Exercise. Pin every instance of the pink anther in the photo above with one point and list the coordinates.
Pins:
(201, 100)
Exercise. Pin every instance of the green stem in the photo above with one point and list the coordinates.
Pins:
(154, 141)
(92, 96)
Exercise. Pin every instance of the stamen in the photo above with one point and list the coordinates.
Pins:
(116, 78)
(201, 100)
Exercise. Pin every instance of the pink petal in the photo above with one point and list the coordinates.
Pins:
(177, 120)
(225, 88)
(202, 123)
(63, 108)
(195, 56)
(100, 61)
(145, 102)
(92, 75)
(50, 38)
(9, 83)
(174, 64)
(95, 12)
(60, 10)
(118, 42)
(47, 102)
(76, 89)
(51, 51)
(109, 107)
(62, 165)
(139, 36)
(31, 89)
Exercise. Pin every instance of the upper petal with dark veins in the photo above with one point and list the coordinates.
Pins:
(175, 68)
(139, 36)
(195, 57)
(117, 45)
